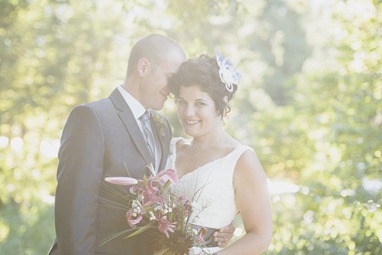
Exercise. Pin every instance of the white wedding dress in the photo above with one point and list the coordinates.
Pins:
(210, 188)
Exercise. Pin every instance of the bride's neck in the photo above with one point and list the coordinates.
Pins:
(217, 137)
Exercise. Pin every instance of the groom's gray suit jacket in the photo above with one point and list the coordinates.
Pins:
(99, 138)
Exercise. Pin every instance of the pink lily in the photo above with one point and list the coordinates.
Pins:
(131, 220)
(134, 189)
(126, 181)
(167, 175)
(165, 226)
(150, 198)
(152, 186)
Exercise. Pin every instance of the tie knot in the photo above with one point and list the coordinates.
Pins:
(145, 116)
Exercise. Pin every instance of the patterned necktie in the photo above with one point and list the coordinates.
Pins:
(146, 128)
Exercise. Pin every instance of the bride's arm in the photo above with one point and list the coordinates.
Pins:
(252, 198)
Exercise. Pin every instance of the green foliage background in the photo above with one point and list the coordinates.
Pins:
(310, 103)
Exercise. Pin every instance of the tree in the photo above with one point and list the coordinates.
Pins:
(309, 103)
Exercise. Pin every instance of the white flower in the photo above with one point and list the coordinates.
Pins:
(228, 75)
(152, 216)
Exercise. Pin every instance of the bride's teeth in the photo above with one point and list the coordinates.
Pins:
(190, 122)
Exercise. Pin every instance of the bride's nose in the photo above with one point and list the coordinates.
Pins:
(189, 110)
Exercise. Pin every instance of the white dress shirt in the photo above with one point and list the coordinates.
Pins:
(136, 107)
(138, 110)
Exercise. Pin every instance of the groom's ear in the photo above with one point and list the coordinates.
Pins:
(143, 67)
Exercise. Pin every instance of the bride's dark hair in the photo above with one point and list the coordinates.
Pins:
(203, 71)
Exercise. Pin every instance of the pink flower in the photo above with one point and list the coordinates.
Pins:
(185, 204)
(150, 198)
(133, 220)
(165, 226)
(152, 186)
(134, 189)
(167, 175)
(122, 180)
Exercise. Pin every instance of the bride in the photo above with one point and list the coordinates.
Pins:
(227, 174)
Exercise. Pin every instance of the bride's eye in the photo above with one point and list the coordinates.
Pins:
(199, 104)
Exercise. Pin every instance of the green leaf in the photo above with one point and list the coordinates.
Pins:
(140, 230)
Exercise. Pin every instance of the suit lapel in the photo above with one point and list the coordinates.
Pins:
(128, 119)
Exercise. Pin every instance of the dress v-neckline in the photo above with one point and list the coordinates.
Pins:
(204, 165)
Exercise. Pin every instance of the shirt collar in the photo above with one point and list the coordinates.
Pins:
(135, 106)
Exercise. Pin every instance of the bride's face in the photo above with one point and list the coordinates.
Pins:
(197, 111)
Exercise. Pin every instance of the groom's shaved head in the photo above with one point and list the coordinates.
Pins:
(156, 48)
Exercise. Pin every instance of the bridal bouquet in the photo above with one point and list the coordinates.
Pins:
(152, 207)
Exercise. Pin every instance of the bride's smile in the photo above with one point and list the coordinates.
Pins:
(197, 111)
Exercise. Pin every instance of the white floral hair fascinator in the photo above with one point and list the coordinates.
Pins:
(228, 75)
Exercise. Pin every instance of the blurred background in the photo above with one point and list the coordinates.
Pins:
(310, 103)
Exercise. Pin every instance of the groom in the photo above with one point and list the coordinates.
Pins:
(101, 139)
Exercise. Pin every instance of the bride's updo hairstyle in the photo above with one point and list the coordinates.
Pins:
(219, 80)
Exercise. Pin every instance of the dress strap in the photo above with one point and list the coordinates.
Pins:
(231, 159)
(236, 153)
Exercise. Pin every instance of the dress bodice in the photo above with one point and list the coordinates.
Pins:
(210, 188)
